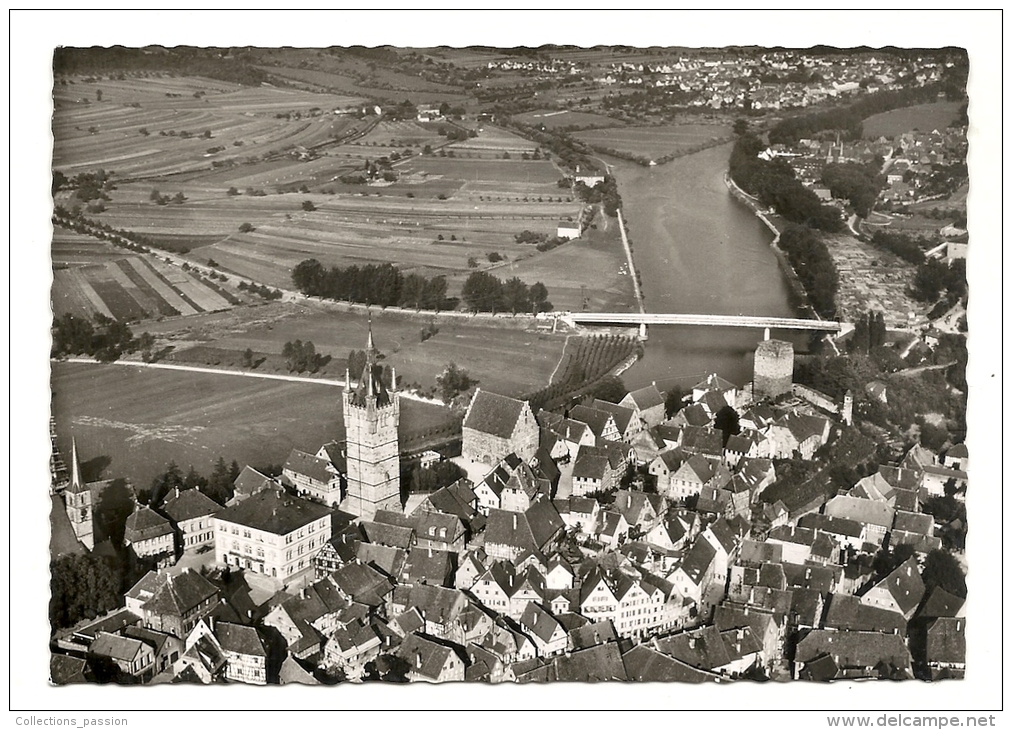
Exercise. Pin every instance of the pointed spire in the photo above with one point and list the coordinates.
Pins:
(347, 380)
(369, 345)
(76, 482)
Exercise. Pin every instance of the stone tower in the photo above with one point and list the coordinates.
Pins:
(371, 416)
(78, 500)
(773, 371)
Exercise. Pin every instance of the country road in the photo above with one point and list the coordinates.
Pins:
(243, 373)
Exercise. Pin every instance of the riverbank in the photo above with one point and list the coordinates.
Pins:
(632, 264)
(798, 292)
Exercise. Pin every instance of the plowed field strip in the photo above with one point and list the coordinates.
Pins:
(155, 303)
(160, 285)
(78, 281)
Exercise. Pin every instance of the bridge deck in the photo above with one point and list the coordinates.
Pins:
(707, 320)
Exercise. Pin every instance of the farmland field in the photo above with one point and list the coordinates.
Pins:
(923, 117)
(651, 143)
(144, 418)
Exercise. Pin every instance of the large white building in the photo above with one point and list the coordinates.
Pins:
(272, 533)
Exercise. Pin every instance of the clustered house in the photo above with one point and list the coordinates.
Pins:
(555, 563)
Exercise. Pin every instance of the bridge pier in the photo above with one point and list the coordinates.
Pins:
(643, 331)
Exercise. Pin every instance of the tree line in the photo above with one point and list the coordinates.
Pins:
(850, 118)
(216, 63)
(776, 185)
(811, 261)
(485, 292)
(380, 284)
(106, 340)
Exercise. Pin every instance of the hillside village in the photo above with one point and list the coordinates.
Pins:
(644, 540)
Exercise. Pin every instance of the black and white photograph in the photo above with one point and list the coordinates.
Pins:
(579, 367)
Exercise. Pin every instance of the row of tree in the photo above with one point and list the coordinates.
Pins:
(302, 356)
(485, 292)
(869, 332)
(850, 118)
(775, 184)
(811, 261)
(380, 284)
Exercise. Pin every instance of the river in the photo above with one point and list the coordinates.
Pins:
(699, 251)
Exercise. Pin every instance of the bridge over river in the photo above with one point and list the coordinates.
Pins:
(642, 319)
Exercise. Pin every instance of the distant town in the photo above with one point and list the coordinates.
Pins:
(378, 365)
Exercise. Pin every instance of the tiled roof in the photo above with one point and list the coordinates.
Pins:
(250, 481)
(847, 612)
(386, 534)
(299, 462)
(868, 511)
(239, 639)
(947, 641)
(646, 397)
(189, 504)
(698, 559)
(701, 648)
(273, 511)
(645, 664)
(941, 603)
(337, 452)
(597, 419)
(905, 585)
(177, 595)
(116, 647)
(146, 524)
(493, 414)
(539, 622)
(621, 414)
(426, 658)
(65, 669)
(857, 650)
(590, 466)
(598, 663)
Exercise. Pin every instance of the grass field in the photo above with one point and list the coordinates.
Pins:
(506, 360)
(565, 118)
(143, 418)
(651, 143)
(923, 117)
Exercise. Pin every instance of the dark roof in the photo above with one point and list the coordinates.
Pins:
(858, 651)
(703, 440)
(702, 648)
(947, 641)
(388, 559)
(492, 413)
(847, 612)
(596, 664)
(250, 481)
(646, 397)
(622, 414)
(426, 565)
(538, 622)
(905, 585)
(239, 639)
(337, 452)
(530, 530)
(64, 669)
(361, 582)
(115, 646)
(189, 504)
(273, 511)
(63, 540)
(309, 465)
(698, 559)
(592, 634)
(645, 664)
(179, 594)
(941, 604)
(426, 658)
(593, 417)
(387, 534)
(589, 465)
(146, 524)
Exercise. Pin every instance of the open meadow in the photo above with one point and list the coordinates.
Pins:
(144, 418)
(555, 118)
(653, 143)
(505, 359)
(922, 117)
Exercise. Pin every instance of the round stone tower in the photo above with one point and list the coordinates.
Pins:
(773, 371)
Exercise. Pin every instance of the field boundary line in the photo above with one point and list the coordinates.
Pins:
(243, 373)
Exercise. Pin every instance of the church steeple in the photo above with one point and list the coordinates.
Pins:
(76, 481)
(371, 390)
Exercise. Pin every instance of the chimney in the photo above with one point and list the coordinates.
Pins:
(766, 333)
(535, 618)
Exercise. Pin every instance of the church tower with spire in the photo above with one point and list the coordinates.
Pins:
(371, 417)
(77, 496)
